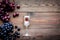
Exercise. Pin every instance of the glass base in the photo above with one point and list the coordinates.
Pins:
(26, 34)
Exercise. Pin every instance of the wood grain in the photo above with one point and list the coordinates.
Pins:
(45, 20)
(42, 17)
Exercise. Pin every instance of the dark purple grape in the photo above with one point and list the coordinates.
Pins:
(18, 29)
(18, 6)
(7, 14)
(15, 14)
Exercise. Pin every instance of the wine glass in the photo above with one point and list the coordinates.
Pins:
(26, 24)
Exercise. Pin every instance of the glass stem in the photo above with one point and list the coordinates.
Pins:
(26, 29)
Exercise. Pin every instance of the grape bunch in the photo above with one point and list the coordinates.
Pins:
(5, 32)
(7, 28)
(5, 17)
(5, 8)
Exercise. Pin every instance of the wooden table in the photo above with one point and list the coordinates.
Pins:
(45, 20)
